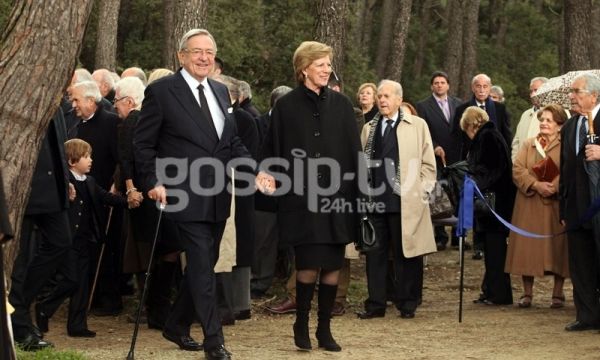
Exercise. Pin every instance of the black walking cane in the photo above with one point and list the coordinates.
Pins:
(130, 356)
(99, 260)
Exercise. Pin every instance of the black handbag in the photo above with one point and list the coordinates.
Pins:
(367, 240)
(440, 205)
(480, 206)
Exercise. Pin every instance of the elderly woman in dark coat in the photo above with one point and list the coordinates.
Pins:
(314, 125)
(491, 168)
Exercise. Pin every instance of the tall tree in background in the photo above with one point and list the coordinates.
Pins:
(39, 49)
(425, 15)
(386, 32)
(106, 41)
(454, 43)
(577, 34)
(469, 57)
(330, 29)
(595, 45)
(398, 49)
(364, 25)
(186, 15)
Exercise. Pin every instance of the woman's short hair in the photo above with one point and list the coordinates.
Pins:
(75, 149)
(158, 73)
(409, 106)
(364, 86)
(558, 113)
(133, 88)
(473, 117)
(306, 53)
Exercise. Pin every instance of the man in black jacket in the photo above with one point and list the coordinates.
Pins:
(184, 118)
(576, 158)
(47, 209)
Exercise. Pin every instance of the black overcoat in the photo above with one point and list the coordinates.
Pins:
(307, 128)
(491, 167)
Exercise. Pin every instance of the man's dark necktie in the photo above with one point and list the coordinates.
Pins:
(388, 129)
(482, 107)
(205, 110)
(582, 134)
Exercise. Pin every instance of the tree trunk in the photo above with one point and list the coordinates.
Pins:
(330, 29)
(388, 14)
(595, 44)
(364, 26)
(577, 41)
(502, 23)
(399, 42)
(38, 52)
(187, 15)
(469, 59)
(169, 46)
(423, 37)
(106, 42)
(454, 44)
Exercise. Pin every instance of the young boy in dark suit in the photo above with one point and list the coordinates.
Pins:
(87, 219)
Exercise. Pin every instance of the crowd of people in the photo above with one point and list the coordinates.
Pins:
(119, 146)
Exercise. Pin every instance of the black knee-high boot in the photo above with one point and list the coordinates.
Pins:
(326, 300)
(304, 295)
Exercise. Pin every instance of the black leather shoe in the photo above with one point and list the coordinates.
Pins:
(243, 315)
(217, 353)
(370, 314)
(32, 342)
(184, 342)
(440, 246)
(85, 333)
(477, 255)
(579, 326)
(41, 319)
(407, 314)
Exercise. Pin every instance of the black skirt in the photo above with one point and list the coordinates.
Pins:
(324, 256)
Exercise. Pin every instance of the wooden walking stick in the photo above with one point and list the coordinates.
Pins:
(110, 211)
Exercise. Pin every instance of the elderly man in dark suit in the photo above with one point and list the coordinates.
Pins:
(184, 118)
(574, 195)
(481, 86)
(438, 111)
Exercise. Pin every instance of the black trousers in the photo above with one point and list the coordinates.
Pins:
(74, 284)
(408, 272)
(31, 273)
(197, 298)
(496, 283)
(107, 295)
(583, 267)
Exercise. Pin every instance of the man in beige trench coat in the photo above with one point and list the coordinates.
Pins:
(399, 150)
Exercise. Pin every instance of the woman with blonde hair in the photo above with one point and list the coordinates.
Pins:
(314, 123)
(366, 100)
(491, 168)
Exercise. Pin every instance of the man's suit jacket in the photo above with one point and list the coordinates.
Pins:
(574, 188)
(501, 117)
(171, 126)
(439, 127)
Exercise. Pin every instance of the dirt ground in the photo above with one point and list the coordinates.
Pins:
(486, 332)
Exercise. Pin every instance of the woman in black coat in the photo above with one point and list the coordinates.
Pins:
(491, 168)
(314, 125)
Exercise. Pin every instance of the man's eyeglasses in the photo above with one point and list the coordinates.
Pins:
(578, 91)
(116, 100)
(196, 52)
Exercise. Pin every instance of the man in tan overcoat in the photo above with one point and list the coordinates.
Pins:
(402, 166)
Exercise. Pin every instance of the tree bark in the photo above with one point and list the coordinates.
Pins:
(106, 41)
(399, 41)
(423, 37)
(454, 44)
(388, 14)
(470, 33)
(187, 15)
(364, 26)
(577, 40)
(330, 29)
(38, 52)
(595, 45)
